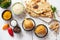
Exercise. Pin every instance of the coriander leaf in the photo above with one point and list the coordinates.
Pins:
(53, 9)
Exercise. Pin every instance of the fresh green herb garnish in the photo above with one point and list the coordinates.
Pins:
(53, 9)
(1, 1)
(5, 3)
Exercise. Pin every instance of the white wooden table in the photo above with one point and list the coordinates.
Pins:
(24, 35)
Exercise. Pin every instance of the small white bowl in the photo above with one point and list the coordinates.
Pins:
(18, 8)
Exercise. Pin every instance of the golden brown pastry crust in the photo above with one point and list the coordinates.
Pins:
(40, 9)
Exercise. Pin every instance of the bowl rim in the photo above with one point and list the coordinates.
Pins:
(16, 22)
(33, 26)
(46, 30)
(4, 12)
(15, 4)
(17, 27)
